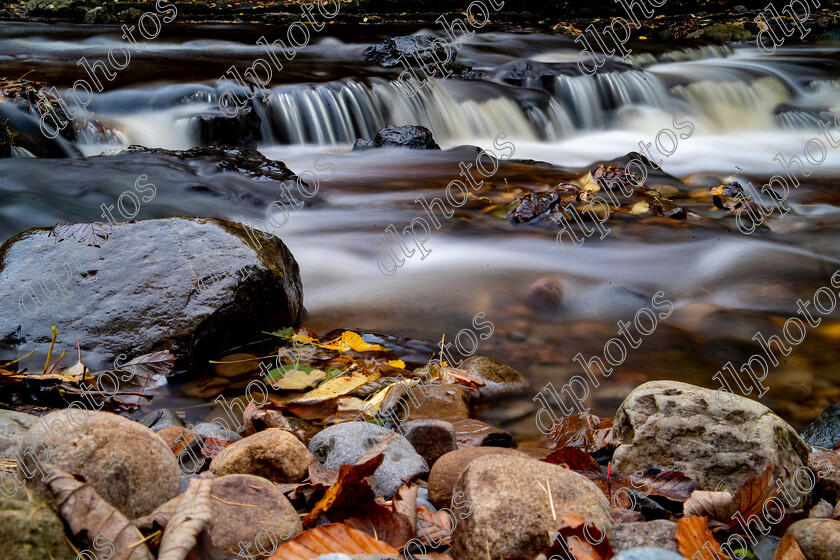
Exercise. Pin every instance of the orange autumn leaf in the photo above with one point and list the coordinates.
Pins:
(789, 549)
(335, 537)
(581, 539)
(694, 537)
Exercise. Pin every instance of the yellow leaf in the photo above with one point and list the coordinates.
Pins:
(353, 341)
(296, 380)
(336, 387)
(372, 406)
(640, 208)
(397, 363)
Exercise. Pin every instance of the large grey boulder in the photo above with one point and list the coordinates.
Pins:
(187, 285)
(344, 444)
(417, 50)
(681, 427)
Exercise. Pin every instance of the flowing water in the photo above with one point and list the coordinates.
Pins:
(743, 108)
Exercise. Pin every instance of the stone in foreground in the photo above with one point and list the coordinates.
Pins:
(273, 454)
(681, 427)
(187, 285)
(511, 512)
(124, 461)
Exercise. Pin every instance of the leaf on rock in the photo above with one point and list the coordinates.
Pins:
(335, 537)
(193, 516)
(693, 534)
(574, 459)
(354, 341)
(343, 498)
(789, 549)
(154, 367)
(716, 505)
(290, 379)
(332, 389)
(752, 495)
(92, 234)
(586, 431)
(88, 515)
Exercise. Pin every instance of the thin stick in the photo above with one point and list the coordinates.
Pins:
(19, 359)
(49, 354)
(56, 364)
(232, 503)
(138, 543)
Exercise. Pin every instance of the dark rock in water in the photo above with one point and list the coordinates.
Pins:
(63, 9)
(130, 15)
(188, 285)
(245, 161)
(417, 50)
(414, 137)
(99, 15)
(216, 129)
(27, 102)
(825, 430)
(362, 145)
(5, 141)
(499, 379)
(157, 420)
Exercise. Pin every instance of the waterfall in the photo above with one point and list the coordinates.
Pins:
(342, 112)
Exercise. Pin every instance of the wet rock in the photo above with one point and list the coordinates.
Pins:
(661, 534)
(447, 401)
(821, 510)
(235, 365)
(362, 145)
(209, 430)
(218, 290)
(214, 128)
(648, 553)
(412, 137)
(726, 33)
(475, 433)
(245, 505)
(825, 430)
(29, 531)
(417, 50)
(62, 9)
(680, 427)
(499, 380)
(449, 467)
(5, 141)
(430, 438)
(511, 512)
(246, 161)
(827, 468)
(12, 427)
(162, 418)
(545, 294)
(819, 539)
(273, 454)
(126, 463)
(99, 15)
(532, 206)
(344, 444)
(130, 15)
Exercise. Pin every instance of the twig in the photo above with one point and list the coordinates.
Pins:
(56, 364)
(49, 354)
(19, 359)
(232, 503)
(100, 393)
(138, 543)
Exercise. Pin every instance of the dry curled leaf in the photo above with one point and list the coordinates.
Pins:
(90, 518)
(193, 516)
(93, 234)
(754, 493)
(586, 431)
(715, 505)
(696, 541)
(335, 537)
(578, 538)
(574, 459)
(789, 549)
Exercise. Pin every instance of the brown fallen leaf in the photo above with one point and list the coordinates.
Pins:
(335, 537)
(586, 431)
(574, 459)
(752, 495)
(789, 549)
(91, 519)
(582, 541)
(696, 541)
(193, 516)
(259, 418)
(384, 523)
(715, 505)
(343, 498)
